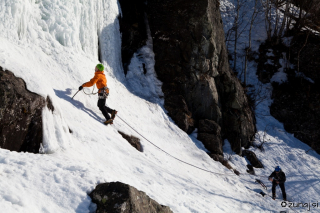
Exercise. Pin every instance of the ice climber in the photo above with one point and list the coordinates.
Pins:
(100, 80)
(278, 177)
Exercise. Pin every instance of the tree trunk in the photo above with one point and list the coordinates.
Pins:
(236, 25)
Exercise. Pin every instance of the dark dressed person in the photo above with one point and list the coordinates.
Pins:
(278, 178)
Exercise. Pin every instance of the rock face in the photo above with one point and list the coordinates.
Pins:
(179, 112)
(296, 102)
(268, 64)
(132, 28)
(251, 156)
(134, 141)
(297, 105)
(191, 61)
(118, 197)
(250, 169)
(224, 162)
(20, 115)
(209, 133)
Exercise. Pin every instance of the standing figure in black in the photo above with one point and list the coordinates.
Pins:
(278, 177)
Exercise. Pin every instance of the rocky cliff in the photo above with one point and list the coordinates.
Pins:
(20, 115)
(191, 61)
(297, 101)
(133, 29)
(117, 197)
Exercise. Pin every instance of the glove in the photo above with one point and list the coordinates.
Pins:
(80, 88)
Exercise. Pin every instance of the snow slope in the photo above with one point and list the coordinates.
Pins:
(296, 159)
(53, 46)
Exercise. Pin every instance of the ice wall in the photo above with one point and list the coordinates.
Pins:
(53, 45)
(76, 24)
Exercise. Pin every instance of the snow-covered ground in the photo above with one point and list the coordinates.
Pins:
(53, 46)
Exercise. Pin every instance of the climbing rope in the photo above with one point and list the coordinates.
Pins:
(216, 173)
(172, 155)
(92, 93)
(184, 162)
(180, 159)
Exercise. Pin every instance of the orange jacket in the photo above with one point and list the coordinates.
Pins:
(99, 79)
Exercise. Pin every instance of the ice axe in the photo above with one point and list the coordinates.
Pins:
(262, 184)
(75, 94)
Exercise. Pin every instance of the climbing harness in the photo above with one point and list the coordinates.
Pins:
(103, 93)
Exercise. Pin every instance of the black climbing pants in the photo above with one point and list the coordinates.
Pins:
(104, 109)
(274, 184)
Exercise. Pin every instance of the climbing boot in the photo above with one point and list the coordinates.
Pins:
(113, 114)
(110, 121)
(274, 196)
